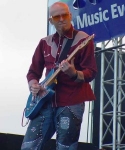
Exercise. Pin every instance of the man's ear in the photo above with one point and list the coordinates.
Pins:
(51, 21)
(70, 16)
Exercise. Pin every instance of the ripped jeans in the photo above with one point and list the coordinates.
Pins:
(65, 121)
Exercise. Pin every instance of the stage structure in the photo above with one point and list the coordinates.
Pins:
(112, 95)
(105, 19)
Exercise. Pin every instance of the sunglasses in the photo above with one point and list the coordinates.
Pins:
(57, 17)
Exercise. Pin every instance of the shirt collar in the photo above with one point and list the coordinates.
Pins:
(68, 34)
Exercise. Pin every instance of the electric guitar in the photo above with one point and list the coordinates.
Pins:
(34, 104)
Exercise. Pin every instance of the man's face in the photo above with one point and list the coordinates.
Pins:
(60, 18)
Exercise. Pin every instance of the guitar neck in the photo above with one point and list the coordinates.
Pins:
(53, 77)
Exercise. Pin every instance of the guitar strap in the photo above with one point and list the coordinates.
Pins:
(67, 47)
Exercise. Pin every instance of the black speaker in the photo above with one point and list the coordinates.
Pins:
(10, 141)
(13, 142)
(51, 145)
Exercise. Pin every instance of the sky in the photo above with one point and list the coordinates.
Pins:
(22, 24)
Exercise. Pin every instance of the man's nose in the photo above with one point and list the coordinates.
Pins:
(61, 18)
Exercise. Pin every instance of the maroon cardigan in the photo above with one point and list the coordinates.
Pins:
(67, 92)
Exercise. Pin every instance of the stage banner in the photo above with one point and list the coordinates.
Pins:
(104, 18)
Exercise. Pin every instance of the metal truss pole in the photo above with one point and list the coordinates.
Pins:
(112, 95)
(120, 70)
(115, 96)
(101, 96)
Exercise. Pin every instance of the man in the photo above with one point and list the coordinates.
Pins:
(63, 113)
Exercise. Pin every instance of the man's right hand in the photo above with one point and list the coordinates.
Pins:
(36, 88)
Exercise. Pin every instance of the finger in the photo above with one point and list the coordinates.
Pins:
(42, 88)
(34, 91)
(62, 62)
(61, 66)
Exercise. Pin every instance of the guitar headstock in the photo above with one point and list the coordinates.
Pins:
(85, 42)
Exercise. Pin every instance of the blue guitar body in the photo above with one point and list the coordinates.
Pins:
(34, 105)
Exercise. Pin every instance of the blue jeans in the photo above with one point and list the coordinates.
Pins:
(65, 121)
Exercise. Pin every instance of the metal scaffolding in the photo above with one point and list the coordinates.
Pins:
(112, 95)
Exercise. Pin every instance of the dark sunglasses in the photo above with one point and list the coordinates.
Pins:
(57, 17)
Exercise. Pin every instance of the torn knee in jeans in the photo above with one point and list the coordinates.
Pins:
(31, 144)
